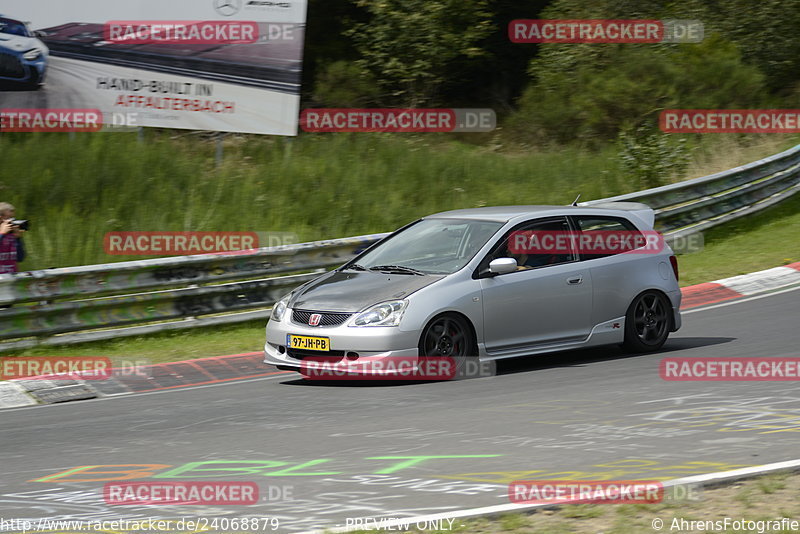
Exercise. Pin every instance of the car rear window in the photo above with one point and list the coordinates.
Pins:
(603, 224)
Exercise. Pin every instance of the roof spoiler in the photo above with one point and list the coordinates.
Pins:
(642, 212)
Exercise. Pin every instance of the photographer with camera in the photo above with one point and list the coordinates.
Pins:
(12, 251)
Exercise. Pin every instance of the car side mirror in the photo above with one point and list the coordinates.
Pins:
(39, 34)
(503, 266)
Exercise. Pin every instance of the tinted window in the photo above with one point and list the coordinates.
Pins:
(531, 260)
(13, 27)
(603, 224)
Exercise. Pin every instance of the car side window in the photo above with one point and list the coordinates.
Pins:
(603, 224)
(527, 259)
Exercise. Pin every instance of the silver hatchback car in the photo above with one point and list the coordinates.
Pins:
(472, 283)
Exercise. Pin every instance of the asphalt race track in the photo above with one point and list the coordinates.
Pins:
(383, 451)
(62, 92)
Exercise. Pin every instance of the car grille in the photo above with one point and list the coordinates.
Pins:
(10, 66)
(327, 319)
(298, 354)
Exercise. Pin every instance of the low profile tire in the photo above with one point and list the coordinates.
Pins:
(34, 84)
(448, 335)
(647, 322)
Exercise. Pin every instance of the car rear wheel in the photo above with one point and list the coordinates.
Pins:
(647, 322)
(448, 336)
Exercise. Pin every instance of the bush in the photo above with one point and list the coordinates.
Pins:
(651, 157)
(408, 44)
(345, 85)
(593, 92)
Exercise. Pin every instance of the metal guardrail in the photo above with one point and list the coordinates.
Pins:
(101, 305)
(100, 295)
(95, 280)
(689, 207)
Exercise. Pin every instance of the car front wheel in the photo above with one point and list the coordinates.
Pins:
(448, 336)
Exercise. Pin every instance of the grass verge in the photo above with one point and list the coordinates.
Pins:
(315, 186)
(767, 498)
(767, 239)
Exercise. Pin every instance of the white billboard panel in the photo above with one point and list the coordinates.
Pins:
(226, 65)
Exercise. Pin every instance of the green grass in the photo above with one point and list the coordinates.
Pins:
(767, 239)
(316, 186)
(75, 190)
(167, 346)
(772, 484)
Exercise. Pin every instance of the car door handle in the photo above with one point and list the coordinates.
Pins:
(575, 280)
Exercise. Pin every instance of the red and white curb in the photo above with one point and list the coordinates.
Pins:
(741, 286)
(155, 377)
(706, 480)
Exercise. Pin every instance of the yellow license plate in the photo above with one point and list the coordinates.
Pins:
(322, 344)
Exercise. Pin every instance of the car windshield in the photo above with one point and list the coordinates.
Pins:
(429, 246)
(13, 27)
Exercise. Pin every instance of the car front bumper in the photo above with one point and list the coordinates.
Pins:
(348, 345)
(24, 71)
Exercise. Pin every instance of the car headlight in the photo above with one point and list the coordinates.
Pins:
(279, 309)
(30, 55)
(383, 314)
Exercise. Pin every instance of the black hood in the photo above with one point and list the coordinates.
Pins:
(352, 291)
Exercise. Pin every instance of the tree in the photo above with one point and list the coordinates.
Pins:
(593, 93)
(407, 44)
(767, 34)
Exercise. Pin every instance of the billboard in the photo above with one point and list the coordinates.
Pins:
(223, 65)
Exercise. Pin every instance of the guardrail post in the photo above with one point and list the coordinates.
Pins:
(287, 151)
(220, 138)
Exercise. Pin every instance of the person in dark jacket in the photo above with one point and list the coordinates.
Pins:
(12, 250)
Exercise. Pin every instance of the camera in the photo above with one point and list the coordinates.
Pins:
(22, 225)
